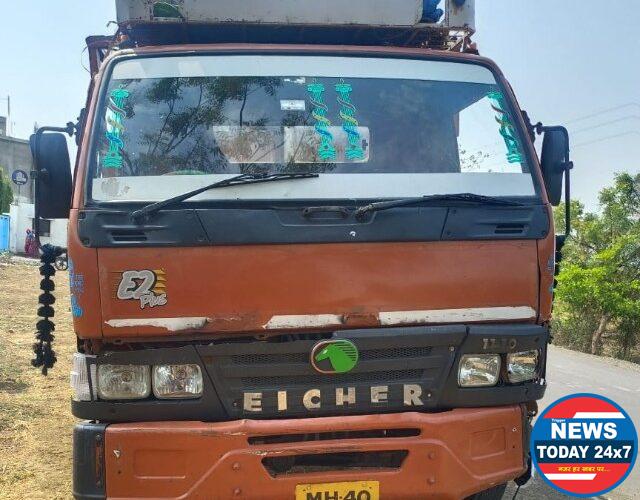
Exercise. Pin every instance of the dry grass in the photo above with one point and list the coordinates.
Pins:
(35, 414)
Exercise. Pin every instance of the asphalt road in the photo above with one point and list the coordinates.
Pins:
(570, 372)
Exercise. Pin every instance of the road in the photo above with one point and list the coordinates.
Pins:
(570, 372)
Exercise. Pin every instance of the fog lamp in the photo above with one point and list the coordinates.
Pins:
(522, 366)
(479, 370)
(79, 379)
(123, 381)
(177, 381)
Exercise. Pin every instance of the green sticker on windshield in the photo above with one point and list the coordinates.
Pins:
(326, 150)
(354, 149)
(115, 128)
(507, 129)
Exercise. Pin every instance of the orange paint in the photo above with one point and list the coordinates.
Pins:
(85, 261)
(457, 453)
(546, 262)
(240, 288)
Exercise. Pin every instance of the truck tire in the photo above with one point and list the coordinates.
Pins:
(495, 493)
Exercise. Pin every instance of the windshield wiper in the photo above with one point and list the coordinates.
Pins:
(238, 180)
(477, 199)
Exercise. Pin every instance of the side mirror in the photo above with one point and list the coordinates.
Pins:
(52, 173)
(556, 164)
(554, 161)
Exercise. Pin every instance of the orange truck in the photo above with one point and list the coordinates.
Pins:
(311, 255)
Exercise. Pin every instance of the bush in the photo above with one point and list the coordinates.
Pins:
(6, 193)
(574, 330)
(598, 294)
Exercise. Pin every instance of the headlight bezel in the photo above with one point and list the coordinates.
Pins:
(495, 368)
(147, 372)
(522, 354)
(183, 395)
(103, 371)
(464, 362)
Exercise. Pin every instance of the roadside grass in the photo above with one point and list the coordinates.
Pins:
(35, 416)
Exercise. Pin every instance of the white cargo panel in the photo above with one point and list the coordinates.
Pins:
(318, 12)
(460, 15)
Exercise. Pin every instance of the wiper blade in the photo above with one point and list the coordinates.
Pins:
(238, 180)
(459, 197)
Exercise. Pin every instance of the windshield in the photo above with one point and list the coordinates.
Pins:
(372, 128)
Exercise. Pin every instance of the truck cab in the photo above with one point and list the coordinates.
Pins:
(311, 256)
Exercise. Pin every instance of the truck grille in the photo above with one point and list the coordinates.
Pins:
(396, 359)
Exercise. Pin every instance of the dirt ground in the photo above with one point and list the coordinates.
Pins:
(35, 414)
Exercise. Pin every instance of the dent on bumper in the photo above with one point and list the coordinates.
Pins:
(456, 453)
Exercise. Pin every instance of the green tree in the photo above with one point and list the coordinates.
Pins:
(6, 193)
(599, 283)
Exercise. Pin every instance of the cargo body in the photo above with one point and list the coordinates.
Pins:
(405, 12)
(353, 299)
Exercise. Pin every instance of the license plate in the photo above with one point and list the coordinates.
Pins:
(355, 490)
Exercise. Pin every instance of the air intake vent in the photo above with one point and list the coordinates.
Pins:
(510, 229)
(128, 236)
(325, 462)
(334, 436)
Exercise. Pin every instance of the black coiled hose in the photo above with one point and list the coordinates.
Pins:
(45, 355)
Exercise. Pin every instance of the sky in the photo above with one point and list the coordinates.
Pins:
(570, 62)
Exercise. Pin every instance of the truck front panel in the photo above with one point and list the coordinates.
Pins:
(292, 287)
(364, 261)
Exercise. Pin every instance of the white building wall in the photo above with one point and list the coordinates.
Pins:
(21, 216)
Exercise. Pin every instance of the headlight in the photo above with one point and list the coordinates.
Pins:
(177, 381)
(522, 366)
(123, 381)
(479, 370)
(80, 377)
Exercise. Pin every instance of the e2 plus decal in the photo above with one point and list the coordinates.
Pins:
(146, 286)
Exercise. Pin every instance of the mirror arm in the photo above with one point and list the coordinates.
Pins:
(562, 238)
(532, 129)
(567, 167)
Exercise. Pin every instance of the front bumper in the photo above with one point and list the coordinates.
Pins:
(450, 454)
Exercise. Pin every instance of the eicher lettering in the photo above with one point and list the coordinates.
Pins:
(314, 398)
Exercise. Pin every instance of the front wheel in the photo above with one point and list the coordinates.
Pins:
(495, 493)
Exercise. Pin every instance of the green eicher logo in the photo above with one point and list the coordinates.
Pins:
(334, 356)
